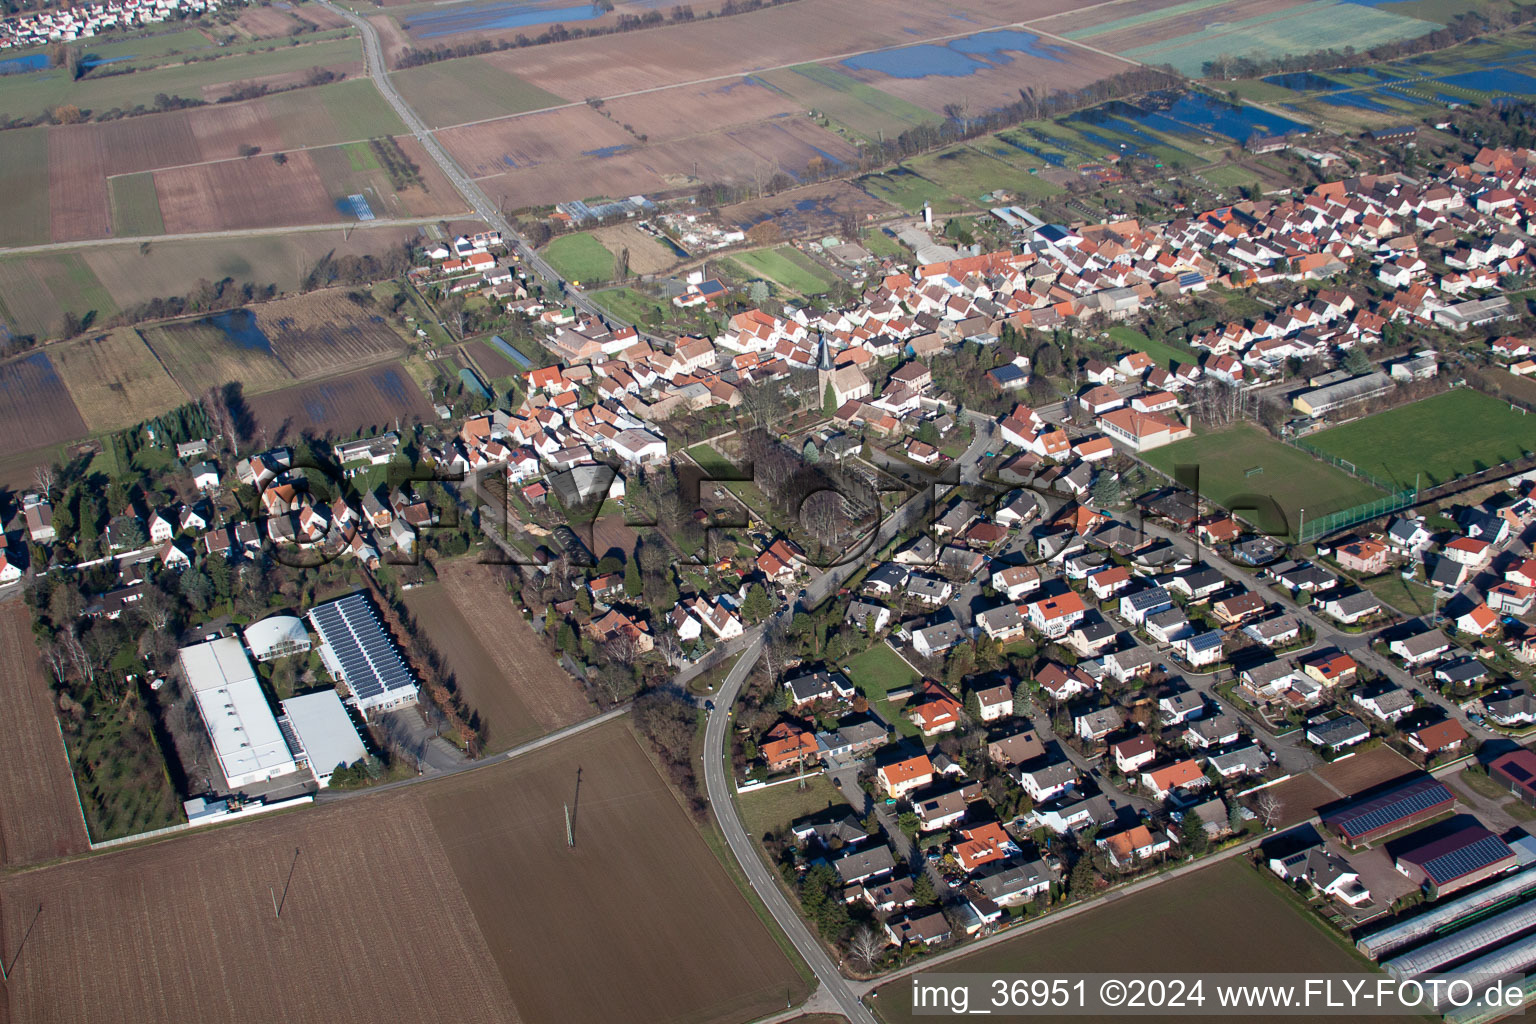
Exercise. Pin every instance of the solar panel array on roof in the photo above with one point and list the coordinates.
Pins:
(369, 662)
(1379, 812)
(1472, 857)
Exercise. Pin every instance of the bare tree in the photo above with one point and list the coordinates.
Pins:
(58, 660)
(78, 657)
(866, 946)
(44, 476)
(1270, 807)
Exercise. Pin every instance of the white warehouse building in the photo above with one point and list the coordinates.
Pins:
(277, 636)
(321, 733)
(246, 738)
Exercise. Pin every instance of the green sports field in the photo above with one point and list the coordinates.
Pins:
(580, 257)
(1441, 438)
(1289, 476)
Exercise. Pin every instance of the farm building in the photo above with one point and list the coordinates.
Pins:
(277, 636)
(1456, 861)
(358, 651)
(1366, 820)
(321, 733)
(1516, 771)
(1442, 915)
(246, 738)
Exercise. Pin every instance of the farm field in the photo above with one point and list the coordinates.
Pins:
(1194, 920)
(1454, 434)
(39, 815)
(40, 91)
(579, 257)
(774, 808)
(788, 267)
(363, 402)
(24, 179)
(818, 209)
(857, 106)
(647, 255)
(135, 207)
(500, 668)
(35, 407)
(676, 940)
(454, 91)
(1259, 29)
(1366, 770)
(1290, 476)
(114, 379)
(270, 344)
(36, 291)
(1300, 797)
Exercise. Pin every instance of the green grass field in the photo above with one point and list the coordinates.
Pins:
(775, 808)
(340, 112)
(1291, 477)
(34, 93)
(1224, 918)
(135, 205)
(789, 267)
(857, 106)
(1166, 353)
(24, 182)
(970, 173)
(580, 257)
(455, 91)
(628, 304)
(1441, 438)
(360, 156)
(1301, 29)
(909, 191)
(878, 671)
(37, 290)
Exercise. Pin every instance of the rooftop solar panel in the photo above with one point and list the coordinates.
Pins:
(1453, 865)
(367, 655)
(1389, 807)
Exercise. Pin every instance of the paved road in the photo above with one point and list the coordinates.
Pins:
(92, 243)
(373, 59)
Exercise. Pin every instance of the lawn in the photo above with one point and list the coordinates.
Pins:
(909, 190)
(24, 182)
(1229, 176)
(774, 808)
(1439, 439)
(789, 267)
(1225, 918)
(579, 257)
(135, 205)
(1291, 477)
(628, 304)
(881, 244)
(1166, 353)
(878, 671)
(1406, 596)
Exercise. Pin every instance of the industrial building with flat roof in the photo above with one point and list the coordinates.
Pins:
(357, 650)
(1413, 802)
(321, 733)
(246, 738)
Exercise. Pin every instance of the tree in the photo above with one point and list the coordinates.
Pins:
(1106, 489)
(1235, 818)
(973, 706)
(922, 890)
(67, 113)
(1270, 807)
(1356, 361)
(1084, 879)
(757, 606)
(829, 400)
(1193, 833)
(909, 824)
(866, 946)
(1021, 701)
(633, 586)
(757, 291)
(197, 589)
